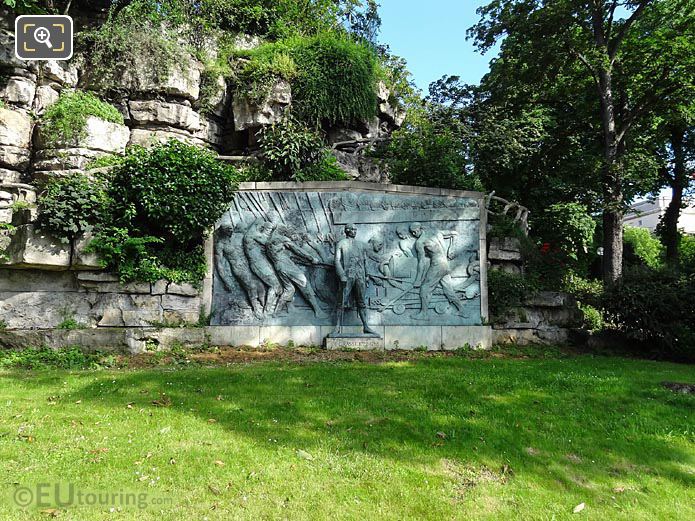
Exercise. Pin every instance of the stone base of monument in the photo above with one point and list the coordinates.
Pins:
(357, 341)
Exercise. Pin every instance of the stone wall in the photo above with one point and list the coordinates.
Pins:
(549, 317)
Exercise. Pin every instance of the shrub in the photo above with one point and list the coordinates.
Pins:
(687, 253)
(72, 205)
(656, 307)
(508, 291)
(645, 245)
(163, 200)
(64, 122)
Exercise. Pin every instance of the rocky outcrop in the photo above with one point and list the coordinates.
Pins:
(249, 115)
(504, 254)
(547, 317)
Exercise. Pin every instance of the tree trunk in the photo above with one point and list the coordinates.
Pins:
(670, 236)
(612, 185)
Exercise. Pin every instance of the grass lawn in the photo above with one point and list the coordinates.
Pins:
(401, 437)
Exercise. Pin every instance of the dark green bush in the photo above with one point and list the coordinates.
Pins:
(72, 205)
(568, 229)
(507, 291)
(657, 309)
(173, 191)
(63, 123)
(163, 201)
(292, 151)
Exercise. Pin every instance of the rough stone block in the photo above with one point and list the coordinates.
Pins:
(45, 97)
(118, 310)
(33, 248)
(97, 276)
(15, 128)
(164, 113)
(10, 176)
(100, 135)
(185, 289)
(15, 158)
(59, 71)
(43, 309)
(12, 280)
(149, 137)
(548, 299)
(19, 91)
(81, 260)
(251, 115)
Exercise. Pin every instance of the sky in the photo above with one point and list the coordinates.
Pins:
(431, 36)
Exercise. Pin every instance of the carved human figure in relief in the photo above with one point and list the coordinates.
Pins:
(351, 268)
(282, 241)
(433, 267)
(405, 241)
(230, 252)
(255, 242)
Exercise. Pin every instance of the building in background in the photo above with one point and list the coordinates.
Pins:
(647, 214)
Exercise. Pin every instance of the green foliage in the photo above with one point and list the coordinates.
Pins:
(508, 291)
(140, 38)
(64, 122)
(337, 80)
(333, 77)
(593, 318)
(104, 161)
(645, 244)
(292, 151)
(432, 147)
(656, 307)
(45, 358)
(569, 226)
(687, 253)
(163, 201)
(72, 205)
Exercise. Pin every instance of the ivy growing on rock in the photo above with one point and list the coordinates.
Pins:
(72, 205)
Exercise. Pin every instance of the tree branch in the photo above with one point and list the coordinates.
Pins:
(615, 43)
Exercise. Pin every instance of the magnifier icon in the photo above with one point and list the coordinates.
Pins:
(43, 35)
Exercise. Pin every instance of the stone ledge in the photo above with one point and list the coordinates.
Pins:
(136, 339)
(342, 186)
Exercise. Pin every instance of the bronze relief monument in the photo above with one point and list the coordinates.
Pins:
(349, 264)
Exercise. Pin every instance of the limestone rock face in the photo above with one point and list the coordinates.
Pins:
(148, 137)
(15, 158)
(100, 135)
(163, 113)
(62, 72)
(19, 91)
(248, 115)
(15, 128)
(81, 260)
(183, 80)
(45, 97)
(33, 248)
